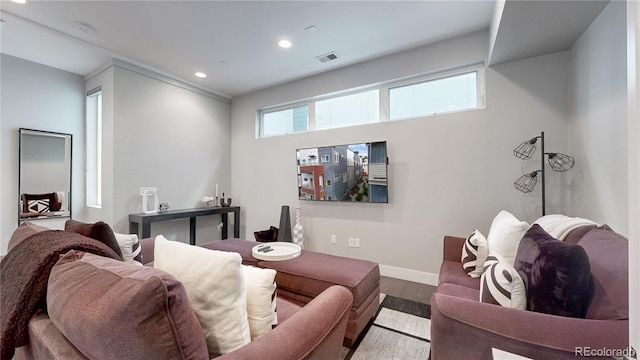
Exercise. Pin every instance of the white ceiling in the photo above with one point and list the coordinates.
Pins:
(234, 42)
(532, 28)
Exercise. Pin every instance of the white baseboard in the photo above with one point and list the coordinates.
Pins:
(409, 275)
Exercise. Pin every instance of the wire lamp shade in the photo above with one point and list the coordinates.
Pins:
(526, 149)
(560, 162)
(557, 161)
(526, 182)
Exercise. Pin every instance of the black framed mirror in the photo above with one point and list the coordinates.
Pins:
(44, 183)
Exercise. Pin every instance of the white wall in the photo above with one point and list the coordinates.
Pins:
(162, 133)
(43, 98)
(604, 132)
(633, 98)
(449, 174)
(598, 121)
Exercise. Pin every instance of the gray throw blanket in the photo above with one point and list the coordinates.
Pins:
(24, 274)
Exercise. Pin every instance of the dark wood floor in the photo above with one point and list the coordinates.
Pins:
(406, 289)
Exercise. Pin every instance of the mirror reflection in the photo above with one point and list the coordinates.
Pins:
(45, 175)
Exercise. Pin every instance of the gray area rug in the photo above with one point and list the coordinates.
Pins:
(400, 330)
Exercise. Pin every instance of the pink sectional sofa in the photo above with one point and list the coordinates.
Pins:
(462, 327)
(302, 279)
(123, 311)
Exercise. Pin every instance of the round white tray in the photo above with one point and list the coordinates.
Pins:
(281, 251)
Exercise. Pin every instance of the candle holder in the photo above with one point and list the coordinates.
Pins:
(210, 201)
(225, 202)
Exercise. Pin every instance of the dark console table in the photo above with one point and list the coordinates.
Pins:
(141, 223)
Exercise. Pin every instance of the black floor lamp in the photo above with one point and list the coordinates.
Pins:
(557, 161)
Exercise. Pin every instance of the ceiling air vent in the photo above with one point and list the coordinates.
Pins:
(327, 57)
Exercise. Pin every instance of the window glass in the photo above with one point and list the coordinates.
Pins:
(422, 95)
(447, 94)
(94, 149)
(285, 121)
(355, 109)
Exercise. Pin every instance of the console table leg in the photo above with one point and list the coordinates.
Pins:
(236, 224)
(133, 228)
(192, 230)
(145, 228)
(225, 223)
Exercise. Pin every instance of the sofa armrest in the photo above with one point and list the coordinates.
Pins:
(455, 321)
(452, 250)
(46, 342)
(314, 332)
(147, 247)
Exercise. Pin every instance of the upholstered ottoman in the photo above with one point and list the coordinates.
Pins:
(303, 278)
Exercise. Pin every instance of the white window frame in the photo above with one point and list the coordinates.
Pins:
(93, 146)
(384, 90)
(480, 90)
(260, 124)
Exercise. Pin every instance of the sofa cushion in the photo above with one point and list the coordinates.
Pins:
(130, 248)
(459, 291)
(286, 309)
(504, 236)
(609, 259)
(100, 231)
(112, 310)
(22, 232)
(311, 273)
(556, 274)
(452, 273)
(474, 254)
(261, 299)
(500, 284)
(215, 284)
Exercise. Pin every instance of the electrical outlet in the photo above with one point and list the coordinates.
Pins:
(143, 189)
(351, 242)
(333, 239)
(357, 242)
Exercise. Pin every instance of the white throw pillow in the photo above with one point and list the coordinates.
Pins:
(474, 254)
(501, 284)
(559, 226)
(505, 235)
(216, 288)
(261, 299)
(130, 248)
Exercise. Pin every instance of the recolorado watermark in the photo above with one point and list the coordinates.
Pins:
(587, 351)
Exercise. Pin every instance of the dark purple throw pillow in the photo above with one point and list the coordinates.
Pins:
(100, 231)
(556, 275)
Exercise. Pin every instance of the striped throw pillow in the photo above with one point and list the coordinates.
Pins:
(130, 248)
(474, 254)
(261, 299)
(501, 284)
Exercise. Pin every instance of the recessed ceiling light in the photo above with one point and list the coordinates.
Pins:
(20, 1)
(87, 29)
(284, 44)
(201, 75)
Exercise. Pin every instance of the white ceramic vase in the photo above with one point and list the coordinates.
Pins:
(298, 232)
